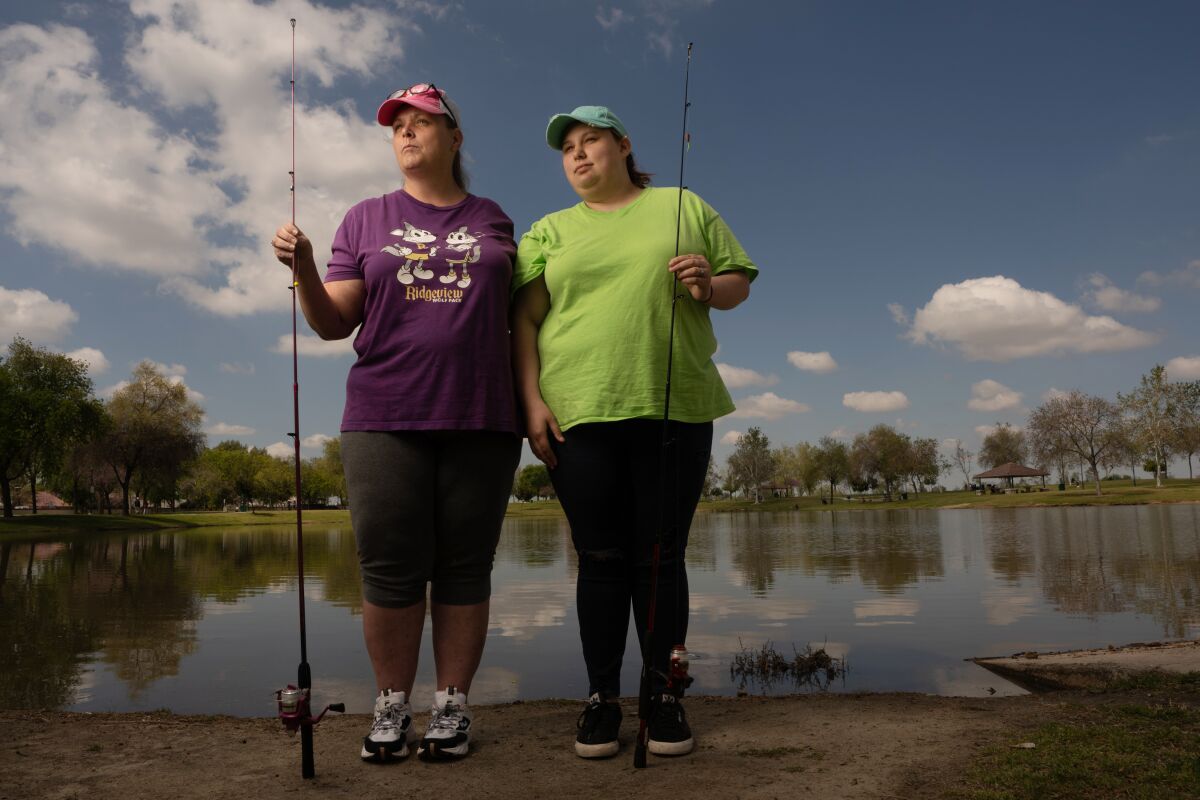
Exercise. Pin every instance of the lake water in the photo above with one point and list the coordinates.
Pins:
(205, 621)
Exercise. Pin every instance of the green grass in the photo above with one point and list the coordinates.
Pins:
(1135, 752)
(1115, 493)
(59, 522)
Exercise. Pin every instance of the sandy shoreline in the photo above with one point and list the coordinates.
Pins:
(854, 746)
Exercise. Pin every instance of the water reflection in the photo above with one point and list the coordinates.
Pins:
(178, 619)
(886, 550)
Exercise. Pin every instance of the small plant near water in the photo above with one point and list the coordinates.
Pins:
(765, 666)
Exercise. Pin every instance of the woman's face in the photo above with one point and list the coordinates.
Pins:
(593, 159)
(424, 142)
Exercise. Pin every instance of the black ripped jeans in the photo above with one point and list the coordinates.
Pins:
(609, 482)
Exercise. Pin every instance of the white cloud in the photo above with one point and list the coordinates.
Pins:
(315, 346)
(997, 319)
(739, 378)
(899, 314)
(731, 437)
(109, 391)
(28, 312)
(1053, 393)
(170, 370)
(840, 433)
(812, 362)
(875, 402)
(225, 429)
(989, 395)
(613, 18)
(154, 201)
(237, 368)
(1105, 296)
(95, 360)
(281, 450)
(767, 406)
(1188, 276)
(1184, 368)
(316, 441)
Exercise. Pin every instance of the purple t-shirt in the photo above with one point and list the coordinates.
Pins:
(433, 347)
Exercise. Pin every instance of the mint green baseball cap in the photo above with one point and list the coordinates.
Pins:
(596, 116)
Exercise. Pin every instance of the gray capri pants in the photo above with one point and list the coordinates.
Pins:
(427, 506)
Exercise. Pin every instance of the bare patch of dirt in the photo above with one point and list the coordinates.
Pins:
(851, 746)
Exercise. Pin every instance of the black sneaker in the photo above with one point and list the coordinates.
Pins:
(670, 734)
(598, 726)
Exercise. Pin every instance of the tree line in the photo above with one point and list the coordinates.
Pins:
(143, 445)
(1149, 425)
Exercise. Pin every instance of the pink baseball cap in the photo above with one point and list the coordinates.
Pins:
(424, 96)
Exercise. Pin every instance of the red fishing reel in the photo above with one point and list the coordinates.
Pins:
(295, 712)
(677, 676)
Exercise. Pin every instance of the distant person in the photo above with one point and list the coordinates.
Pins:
(591, 319)
(429, 433)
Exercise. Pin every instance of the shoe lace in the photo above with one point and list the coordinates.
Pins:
(446, 718)
(390, 718)
(590, 717)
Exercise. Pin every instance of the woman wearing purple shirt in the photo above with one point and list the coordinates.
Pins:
(429, 434)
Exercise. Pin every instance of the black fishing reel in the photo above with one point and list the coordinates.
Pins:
(295, 712)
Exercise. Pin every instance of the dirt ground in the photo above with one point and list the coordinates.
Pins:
(848, 746)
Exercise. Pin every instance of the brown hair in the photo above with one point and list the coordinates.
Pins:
(639, 178)
(456, 169)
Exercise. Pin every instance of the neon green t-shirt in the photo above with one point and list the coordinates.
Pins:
(603, 344)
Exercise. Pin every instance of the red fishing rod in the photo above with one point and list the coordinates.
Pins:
(295, 710)
(677, 678)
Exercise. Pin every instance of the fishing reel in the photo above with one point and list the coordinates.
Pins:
(295, 712)
(677, 674)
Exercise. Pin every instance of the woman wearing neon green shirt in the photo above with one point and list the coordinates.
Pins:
(591, 317)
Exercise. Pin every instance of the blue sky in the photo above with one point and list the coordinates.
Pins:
(964, 205)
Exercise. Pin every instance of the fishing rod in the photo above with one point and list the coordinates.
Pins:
(677, 676)
(295, 711)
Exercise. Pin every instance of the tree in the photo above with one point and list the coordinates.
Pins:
(331, 464)
(275, 480)
(154, 427)
(1082, 425)
(832, 461)
(712, 478)
(796, 466)
(962, 459)
(530, 481)
(1150, 409)
(1185, 438)
(926, 463)
(1005, 444)
(45, 399)
(882, 453)
(752, 462)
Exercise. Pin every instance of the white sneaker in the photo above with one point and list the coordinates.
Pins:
(449, 731)
(391, 729)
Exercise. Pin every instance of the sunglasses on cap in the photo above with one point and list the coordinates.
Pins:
(424, 90)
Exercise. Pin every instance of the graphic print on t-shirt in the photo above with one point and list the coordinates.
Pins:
(416, 259)
(461, 242)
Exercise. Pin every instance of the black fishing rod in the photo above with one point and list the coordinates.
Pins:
(679, 662)
(294, 702)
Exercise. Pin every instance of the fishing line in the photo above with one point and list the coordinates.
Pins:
(295, 701)
(667, 511)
